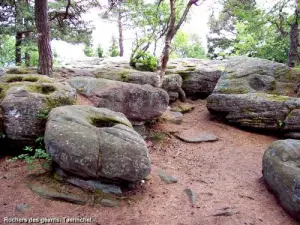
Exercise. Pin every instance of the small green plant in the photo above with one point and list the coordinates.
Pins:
(145, 61)
(43, 114)
(34, 156)
(2, 135)
(280, 124)
(157, 136)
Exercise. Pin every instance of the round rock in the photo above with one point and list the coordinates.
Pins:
(96, 143)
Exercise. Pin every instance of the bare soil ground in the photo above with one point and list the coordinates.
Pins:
(225, 175)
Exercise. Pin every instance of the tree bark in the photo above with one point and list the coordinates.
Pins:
(18, 48)
(43, 32)
(120, 26)
(293, 58)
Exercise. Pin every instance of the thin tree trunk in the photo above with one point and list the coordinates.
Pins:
(166, 50)
(18, 48)
(120, 25)
(43, 32)
(27, 54)
(27, 37)
(169, 36)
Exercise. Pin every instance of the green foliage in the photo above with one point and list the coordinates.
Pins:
(113, 50)
(7, 50)
(88, 50)
(185, 46)
(34, 156)
(243, 29)
(100, 51)
(145, 61)
(150, 22)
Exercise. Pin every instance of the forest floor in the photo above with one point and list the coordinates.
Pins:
(224, 175)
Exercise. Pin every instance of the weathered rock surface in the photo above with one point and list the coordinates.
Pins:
(257, 93)
(96, 143)
(25, 101)
(281, 169)
(199, 76)
(137, 102)
(189, 137)
(173, 117)
(127, 75)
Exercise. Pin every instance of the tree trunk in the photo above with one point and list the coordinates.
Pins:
(166, 51)
(169, 36)
(18, 48)
(43, 32)
(293, 57)
(120, 25)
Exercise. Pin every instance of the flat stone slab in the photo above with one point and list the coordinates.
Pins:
(168, 179)
(196, 138)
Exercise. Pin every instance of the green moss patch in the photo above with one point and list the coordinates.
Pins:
(277, 98)
(30, 79)
(19, 71)
(45, 89)
(12, 79)
(103, 122)
(233, 91)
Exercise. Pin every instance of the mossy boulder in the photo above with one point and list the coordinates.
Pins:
(257, 93)
(199, 76)
(96, 143)
(127, 75)
(26, 100)
(137, 102)
(281, 169)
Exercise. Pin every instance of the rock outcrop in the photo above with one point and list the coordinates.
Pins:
(257, 93)
(25, 101)
(96, 143)
(137, 102)
(281, 163)
(199, 76)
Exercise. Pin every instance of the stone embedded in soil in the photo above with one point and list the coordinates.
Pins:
(227, 211)
(173, 117)
(110, 202)
(22, 207)
(191, 194)
(57, 196)
(182, 107)
(196, 138)
(168, 179)
(293, 135)
(88, 185)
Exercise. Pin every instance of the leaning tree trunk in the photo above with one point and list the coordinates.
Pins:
(120, 26)
(293, 57)
(43, 32)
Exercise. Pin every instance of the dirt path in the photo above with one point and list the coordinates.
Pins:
(223, 174)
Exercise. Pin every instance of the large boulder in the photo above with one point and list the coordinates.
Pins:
(96, 143)
(26, 100)
(257, 93)
(199, 76)
(281, 172)
(137, 102)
